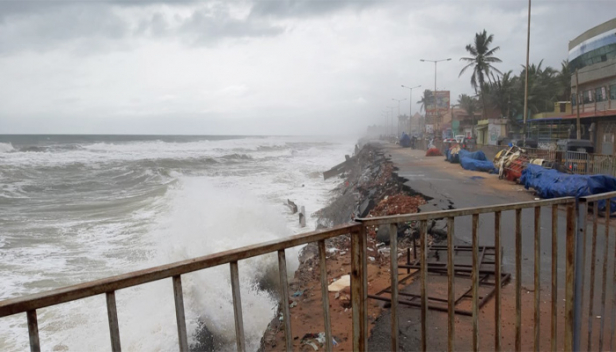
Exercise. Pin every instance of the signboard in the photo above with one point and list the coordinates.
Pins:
(442, 104)
(429, 128)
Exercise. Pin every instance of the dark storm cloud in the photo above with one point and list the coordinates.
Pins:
(45, 25)
(305, 8)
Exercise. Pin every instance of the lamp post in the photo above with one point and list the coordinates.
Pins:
(526, 83)
(398, 100)
(435, 63)
(391, 119)
(410, 104)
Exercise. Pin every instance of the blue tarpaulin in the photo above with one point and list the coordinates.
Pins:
(452, 158)
(550, 183)
(475, 161)
(405, 140)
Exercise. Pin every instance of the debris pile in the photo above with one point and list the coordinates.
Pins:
(434, 152)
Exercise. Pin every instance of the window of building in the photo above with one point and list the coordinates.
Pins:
(613, 92)
(588, 96)
(598, 94)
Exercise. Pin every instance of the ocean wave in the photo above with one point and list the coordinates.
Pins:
(6, 147)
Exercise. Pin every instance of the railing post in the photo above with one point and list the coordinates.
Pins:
(569, 284)
(358, 290)
(579, 272)
(35, 345)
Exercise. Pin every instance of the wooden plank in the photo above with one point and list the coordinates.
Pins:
(113, 283)
(284, 299)
(35, 344)
(237, 307)
(112, 316)
(180, 317)
(327, 322)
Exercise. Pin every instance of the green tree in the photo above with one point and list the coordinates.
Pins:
(426, 100)
(564, 81)
(503, 94)
(481, 60)
(543, 87)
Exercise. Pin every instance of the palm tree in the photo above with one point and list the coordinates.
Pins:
(502, 94)
(564, 80)
(481, 60)
(543, 87)
(426, 100)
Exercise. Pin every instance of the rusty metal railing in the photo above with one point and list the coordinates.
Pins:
(602, 206)
(573, 277)
(108, 286)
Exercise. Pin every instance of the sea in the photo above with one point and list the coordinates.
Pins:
(75, 208)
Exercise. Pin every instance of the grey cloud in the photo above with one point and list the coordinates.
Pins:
(306, 8)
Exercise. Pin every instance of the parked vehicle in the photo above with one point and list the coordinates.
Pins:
(469, 143)
(574, 154)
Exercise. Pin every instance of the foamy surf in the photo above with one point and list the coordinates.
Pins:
(109, 207)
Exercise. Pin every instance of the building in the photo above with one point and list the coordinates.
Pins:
(592, 58)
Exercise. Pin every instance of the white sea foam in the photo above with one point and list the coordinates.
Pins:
(108, 208)
(6, 147)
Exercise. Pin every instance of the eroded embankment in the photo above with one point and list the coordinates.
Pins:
(369, 188)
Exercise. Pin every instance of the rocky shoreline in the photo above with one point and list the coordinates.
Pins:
(369, 187)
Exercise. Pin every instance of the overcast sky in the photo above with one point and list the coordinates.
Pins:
(253, 67)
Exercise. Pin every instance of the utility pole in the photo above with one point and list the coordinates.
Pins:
(526, 80)
(577, 105)
(399, 100)
(434, 119)
(410, 105)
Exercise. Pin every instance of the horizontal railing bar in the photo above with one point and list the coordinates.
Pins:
(600, 196)
(465, 211)
(87, 289)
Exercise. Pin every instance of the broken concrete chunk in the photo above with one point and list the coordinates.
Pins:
(341, 283)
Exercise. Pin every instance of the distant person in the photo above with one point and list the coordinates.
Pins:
(413, 140)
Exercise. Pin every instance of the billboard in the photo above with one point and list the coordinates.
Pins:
(442, 104)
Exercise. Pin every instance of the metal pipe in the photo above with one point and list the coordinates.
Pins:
(35, 344)
(393, 240)
(325, 296)
(603, 285)
(475, 283)
(498, 282)
(237, 306)
(536, 341)
(579, 273)
(424, 276)
(112, 315)
(451, 330)
(518, 280)
(553, 341)
(180, 317)
(284, 298)
(593, 258)
(526, 79)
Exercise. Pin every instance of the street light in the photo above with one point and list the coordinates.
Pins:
(435, 62)
(398, 100)
(410, 104)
